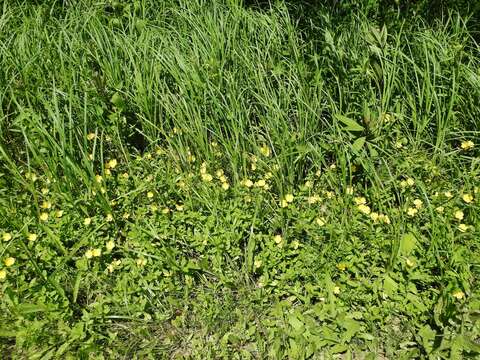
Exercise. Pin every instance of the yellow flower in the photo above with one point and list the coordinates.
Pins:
(403, 184)
(3, 274)
(467, 198)
(44, 191)
(283, 203)
(32, 237)
(219, 173)
(289, 198)
(96, 252)
(179, 207)
(440, 209)
(459, 295)
(349, 190)
(141, 262)
(364, 209)
(418, 203)
(87, 221)
(412, 211)
(467, 145)
(458, 215)
(448, 194)
(110, 245)
(46, 205)
(410, 182)
(225, 186)
(126, 216)
(253, 166)
(329, 194)
(147, 156)
(265, 150)
(223, 179)
(374, 216)
(248, 183)
(257, 264)
(91, 136)
(336, 290)
(59, 214)
(108, 172)
(149, 194)
(109, 217)
(153, 208)
(110, 268)
(90, 157)
(384, 218)
(98, 178)
(320, 221)
(260, 183)
(341, 266)
(165, 210)
(125, 175)
(112, 164)
(6, 236)
(313, 199)
(409, 263)
(308, 184)
(360, 200)
(295, 244)
(9, 261)
(207, 177)
(44, 216)
(89, 254)
(463, 228)
(278, 239)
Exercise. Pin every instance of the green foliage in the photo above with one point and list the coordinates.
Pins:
(190, 179)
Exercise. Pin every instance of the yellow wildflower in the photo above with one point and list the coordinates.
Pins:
(412, 211)
(6, 236)
(32, 237)
(467, 145)
(112, 164)
(141, 262)
(257, 264)
(265, 150)
(463, 228)
(278, 239)
(458, 215)
(360, 200)
(219, 173)
(336, 290)
(96, 252)
(110, 245)
(448, 194)
(410, 182)
(313, 199)
(409, 263)
(260, 183)
(364, 209)
(59, 214)
(108, 172)
(223, 178)
(87, 221)
(89, 254)
(440, 209)
(320, 221)
(308, 184)
(149, 194)
(418, 203)
(289, 198)
(109, 217)
(9, 261)
(91, 136)
(248, 183)
(374, 216)
(207, 177)
(283, 203)
(165, 210)
(349, 190)
(225, 186)
(179, 207)
(46, 205)
(467, 198)
(44, 216)
(459, 295)
(341, 266)
(98, 178)
(44, 191)
(3, 274)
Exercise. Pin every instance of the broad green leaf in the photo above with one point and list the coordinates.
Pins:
(358, 144)
(408, 242)
(350, 125)
(389, 285)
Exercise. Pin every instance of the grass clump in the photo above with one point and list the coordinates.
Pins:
(195, 180)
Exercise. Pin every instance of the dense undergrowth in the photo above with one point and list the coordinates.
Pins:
(193, 179)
